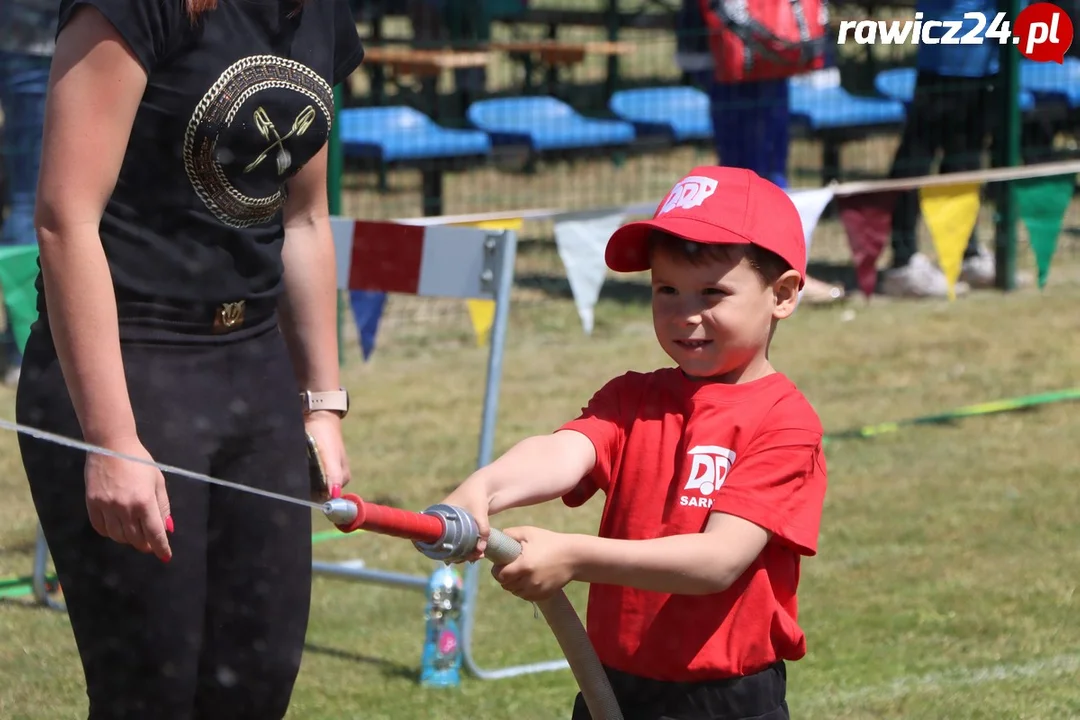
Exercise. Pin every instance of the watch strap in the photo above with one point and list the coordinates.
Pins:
(334, 400)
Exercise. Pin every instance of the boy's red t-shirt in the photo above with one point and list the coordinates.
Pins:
(670, 450)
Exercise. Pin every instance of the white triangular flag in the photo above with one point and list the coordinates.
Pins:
(581, 239)
(810, 204)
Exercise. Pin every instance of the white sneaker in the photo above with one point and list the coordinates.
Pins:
(920, 278)
(979, 271)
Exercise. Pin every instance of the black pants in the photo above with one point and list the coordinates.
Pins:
(951, 114)
(218, 632)
(761, 696)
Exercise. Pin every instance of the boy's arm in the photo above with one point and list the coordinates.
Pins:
(535, 470)
(776, 491)
(695, 564)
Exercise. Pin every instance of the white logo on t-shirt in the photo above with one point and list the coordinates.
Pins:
(709, 469)
(689, 193)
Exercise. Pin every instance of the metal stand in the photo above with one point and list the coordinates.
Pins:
(468, 263)
(40, 575)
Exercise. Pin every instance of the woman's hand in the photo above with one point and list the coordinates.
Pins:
(324, 427)
(127, 501)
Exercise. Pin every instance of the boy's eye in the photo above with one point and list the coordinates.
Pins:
(713, 291)
(664, 290)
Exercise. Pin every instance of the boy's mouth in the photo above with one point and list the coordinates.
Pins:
(692, 344)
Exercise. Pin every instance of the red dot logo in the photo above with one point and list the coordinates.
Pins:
(1043, 32)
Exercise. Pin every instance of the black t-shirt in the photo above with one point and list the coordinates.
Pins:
(235, 105)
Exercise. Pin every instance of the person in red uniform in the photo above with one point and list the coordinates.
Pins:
(713, 471)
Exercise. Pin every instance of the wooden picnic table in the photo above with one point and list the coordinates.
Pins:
(551, 55)
(424, 64)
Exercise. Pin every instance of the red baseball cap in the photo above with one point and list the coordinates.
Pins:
(717, 205)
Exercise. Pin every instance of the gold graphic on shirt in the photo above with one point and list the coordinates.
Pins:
(229, 315)
(216, 113)
(266, 127)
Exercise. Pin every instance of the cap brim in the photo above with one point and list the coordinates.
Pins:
(628, 248)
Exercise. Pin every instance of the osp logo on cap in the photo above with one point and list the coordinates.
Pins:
(688, 193)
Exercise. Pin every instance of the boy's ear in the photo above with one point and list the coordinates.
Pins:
(786, 291)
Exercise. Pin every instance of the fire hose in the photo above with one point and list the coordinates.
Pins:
(449, 534)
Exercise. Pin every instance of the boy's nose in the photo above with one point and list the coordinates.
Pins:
(690, 313)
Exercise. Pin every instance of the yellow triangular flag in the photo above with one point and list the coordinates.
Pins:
(482, 314)
(507, 224)
(951, 212)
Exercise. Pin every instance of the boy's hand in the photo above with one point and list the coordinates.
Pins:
(545, 566)
(477, 506)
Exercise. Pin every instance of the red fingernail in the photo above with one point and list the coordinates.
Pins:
(335, 491)
(169, 527)
(166, 559)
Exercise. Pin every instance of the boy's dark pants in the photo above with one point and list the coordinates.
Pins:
(760, 696)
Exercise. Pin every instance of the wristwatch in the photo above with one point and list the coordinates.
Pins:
(333, 400)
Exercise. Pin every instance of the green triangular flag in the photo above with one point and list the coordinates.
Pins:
(1042, 202)
(18, 271)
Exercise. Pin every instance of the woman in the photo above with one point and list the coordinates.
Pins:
(186, 300)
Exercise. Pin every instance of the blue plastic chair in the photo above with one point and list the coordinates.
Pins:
(680, 112)
(822, 106)
(403, 134)
(899, 84)
(544, 124)
(896, 84)
(1051, 81)
(405, 137)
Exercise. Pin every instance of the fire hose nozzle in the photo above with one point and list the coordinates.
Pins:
(340, 511)
(459, 538)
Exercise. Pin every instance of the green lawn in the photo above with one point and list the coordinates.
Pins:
(945, 582)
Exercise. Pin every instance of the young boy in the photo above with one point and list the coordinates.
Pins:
(713, 471)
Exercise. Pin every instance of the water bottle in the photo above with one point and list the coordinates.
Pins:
(440, 662)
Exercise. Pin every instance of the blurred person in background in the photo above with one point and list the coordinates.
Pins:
(952, 111)
(27, 32)
(751, 122)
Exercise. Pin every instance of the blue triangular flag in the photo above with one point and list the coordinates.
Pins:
(367, 307)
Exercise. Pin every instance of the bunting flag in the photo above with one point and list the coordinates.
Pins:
(1042, 203)
(867, 220)
(950, 212)
(377, 258)
(581, 239)
(810, 204)
(482, 316)
(482, 312)
(367, 307)
(18, 272)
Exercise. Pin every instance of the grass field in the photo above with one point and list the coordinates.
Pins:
(945, 584)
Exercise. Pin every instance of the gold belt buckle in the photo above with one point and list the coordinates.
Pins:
(229, 316)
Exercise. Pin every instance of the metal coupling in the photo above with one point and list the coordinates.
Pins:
(460, 534)
(340, 511)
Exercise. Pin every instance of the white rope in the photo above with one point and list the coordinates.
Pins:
(80, 445)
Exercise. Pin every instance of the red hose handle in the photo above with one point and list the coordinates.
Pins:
(392, 521)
